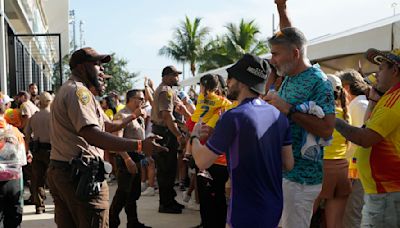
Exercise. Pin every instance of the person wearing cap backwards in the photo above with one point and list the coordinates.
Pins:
(303, 83)
(378, 162)
(255, 137)
(164, 125)
(77, 130)
(40, 147)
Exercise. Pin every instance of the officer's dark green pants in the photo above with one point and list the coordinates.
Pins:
(70, 212)
(166, 168)
(127, 193)
(40, 163)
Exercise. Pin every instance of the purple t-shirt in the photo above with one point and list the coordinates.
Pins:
(252, 136)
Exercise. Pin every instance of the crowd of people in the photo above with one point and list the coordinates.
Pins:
(278, 143)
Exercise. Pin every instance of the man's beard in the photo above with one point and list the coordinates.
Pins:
(284, 69)
(233, 93)
(94, 79)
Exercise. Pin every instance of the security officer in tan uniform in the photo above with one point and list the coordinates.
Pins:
(129, 180)
(39, 145)
(164, 125)
(77, 133)
(27, 108)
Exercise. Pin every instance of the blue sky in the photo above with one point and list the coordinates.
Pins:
(137, 29)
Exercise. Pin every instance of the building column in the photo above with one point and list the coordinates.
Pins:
(3, 62)
(41, 78)
(28, 76)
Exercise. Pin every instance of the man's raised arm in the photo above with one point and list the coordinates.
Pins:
(284, 20)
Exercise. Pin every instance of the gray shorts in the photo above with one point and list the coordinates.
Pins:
(381, 210)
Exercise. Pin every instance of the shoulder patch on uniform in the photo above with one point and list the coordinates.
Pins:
(169, 94)
(83, 95)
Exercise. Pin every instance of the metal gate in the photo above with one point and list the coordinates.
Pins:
(34, 58)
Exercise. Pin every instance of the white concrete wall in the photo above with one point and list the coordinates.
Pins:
(3, 72)
(57, 18)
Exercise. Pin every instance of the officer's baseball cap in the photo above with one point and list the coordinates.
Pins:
(170, 70)
(87, 54)
(252, 71)
(375, 56)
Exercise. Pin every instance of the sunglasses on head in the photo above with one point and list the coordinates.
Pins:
(278, 34)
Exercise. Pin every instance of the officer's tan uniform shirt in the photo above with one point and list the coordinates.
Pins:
(39, 125)
(28, 109)
(73, 108)
(134, 130)
(164, 99)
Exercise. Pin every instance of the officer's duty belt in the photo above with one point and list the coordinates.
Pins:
(60, 164)
(158, 129)
(45, 146)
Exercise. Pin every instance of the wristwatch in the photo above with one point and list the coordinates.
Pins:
(193, 137)
(291, 111)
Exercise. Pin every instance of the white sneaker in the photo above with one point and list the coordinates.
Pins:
(185, 196)
(143, 186)
(149, 192)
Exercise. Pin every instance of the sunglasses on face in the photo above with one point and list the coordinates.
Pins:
(139, 98)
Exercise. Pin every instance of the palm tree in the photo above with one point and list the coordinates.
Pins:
(187, 44)
(240, 39)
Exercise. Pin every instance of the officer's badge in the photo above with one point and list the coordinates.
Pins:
(83, 95)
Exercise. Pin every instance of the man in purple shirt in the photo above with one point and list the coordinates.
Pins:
(256, 139)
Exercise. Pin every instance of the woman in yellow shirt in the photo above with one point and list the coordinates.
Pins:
(336, 186)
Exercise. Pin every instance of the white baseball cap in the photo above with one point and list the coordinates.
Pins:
(7, 99)
(335, 81)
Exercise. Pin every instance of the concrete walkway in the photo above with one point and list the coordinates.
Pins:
(147, 209)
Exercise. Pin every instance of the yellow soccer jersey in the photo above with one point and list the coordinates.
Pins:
(214, 119)
(207, 107)
(379, 165)
(338, 148)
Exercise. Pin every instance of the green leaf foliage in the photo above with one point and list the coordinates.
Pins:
(187, 43)
(226, 49)
(122, 79)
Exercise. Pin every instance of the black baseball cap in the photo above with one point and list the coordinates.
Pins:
(168, 70)
(87, 54)
(252, 71)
